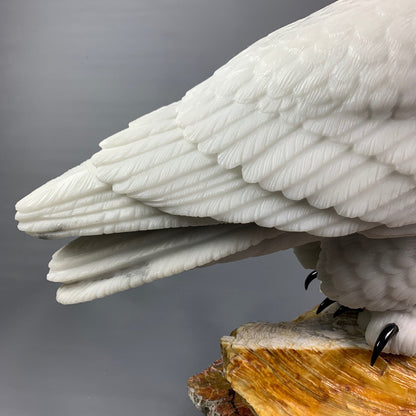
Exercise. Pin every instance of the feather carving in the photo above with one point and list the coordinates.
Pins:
(307, 136)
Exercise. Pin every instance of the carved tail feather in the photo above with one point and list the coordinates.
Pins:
(97, 266)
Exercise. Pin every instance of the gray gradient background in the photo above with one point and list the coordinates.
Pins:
(72, 73)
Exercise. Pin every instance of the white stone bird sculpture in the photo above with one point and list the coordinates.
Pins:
(306, 139)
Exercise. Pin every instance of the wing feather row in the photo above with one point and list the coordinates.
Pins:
(77, 203)
(329, 91)
(310, 129)
(93, 267)
(193, 184)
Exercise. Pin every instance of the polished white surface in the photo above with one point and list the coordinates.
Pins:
(71, 74)
(309, 131)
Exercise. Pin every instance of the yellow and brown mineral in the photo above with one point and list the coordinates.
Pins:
(316, 365)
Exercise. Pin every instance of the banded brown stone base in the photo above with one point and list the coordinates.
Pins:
(212, 394)
(315, 365)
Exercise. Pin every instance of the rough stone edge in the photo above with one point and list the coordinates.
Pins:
(212, 394)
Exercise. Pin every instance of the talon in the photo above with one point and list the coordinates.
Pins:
(324, 304)
(389, 331)
(341, 310)
(311, 276)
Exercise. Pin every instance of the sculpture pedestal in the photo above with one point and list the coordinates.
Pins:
(315, 365)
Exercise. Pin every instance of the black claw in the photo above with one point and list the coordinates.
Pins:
(311, 276)
(389, 331)
(341, 310)
(324, 304)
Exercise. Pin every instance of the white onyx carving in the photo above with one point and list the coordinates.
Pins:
(306, 137)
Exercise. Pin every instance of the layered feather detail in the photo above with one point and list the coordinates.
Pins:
(169, 173)
(329, 101)
(309, 132)
(376, 274)
(93, 267)
(306, 130)
(77, 203)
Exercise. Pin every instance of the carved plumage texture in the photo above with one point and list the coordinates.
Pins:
(307, 136)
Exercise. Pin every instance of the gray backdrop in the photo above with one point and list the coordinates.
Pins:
(71, 73)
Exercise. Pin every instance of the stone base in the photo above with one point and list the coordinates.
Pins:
(212, 394)
(315, 365)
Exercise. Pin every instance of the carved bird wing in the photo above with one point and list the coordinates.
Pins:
(309, 130)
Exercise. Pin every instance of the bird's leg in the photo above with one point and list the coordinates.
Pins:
(326, 302)
(378, 276)
(390, 331)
